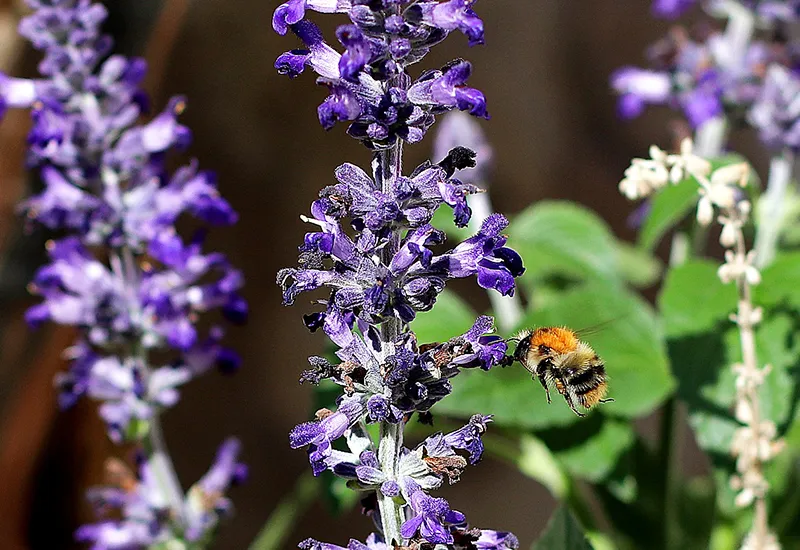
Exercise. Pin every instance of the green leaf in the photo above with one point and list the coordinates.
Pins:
(667, 208)
(509, 394)
(559, 239)
(629, 342)
(638, 267)
(693, 299)
(590, 449)
(563, 238)
(704, 344)
(563, 532)
(779, 286)
(450, 316)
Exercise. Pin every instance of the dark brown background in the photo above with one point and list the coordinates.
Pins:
(544, 71)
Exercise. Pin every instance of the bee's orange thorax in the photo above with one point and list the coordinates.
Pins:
(560, 340)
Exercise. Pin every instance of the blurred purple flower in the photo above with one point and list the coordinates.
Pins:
(120, 273)
(776, 113)
(672, 9)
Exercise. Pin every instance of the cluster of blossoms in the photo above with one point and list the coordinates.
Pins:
(383, 266)
(754, 443)
(119, 272)
(708, 73)
(368, 85)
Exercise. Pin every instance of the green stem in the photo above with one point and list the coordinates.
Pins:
(669, 458)
(286, 514)
(387, 167)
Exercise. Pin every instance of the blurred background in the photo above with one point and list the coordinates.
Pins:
(555, 134)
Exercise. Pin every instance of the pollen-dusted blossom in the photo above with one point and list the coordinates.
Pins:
(374, 261)
(120, 273)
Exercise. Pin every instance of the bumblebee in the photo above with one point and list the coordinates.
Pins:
(556, 356)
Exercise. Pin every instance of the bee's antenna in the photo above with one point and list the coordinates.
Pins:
(515, 339)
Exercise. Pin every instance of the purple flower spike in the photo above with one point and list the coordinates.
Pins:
(62, 204)
(340, 106)
(485, 255)
(374, 542)
(381, 41)
(318, 436)
(206, 503)
(469, 437)
(776, 113)
(119, 272)
(288, 14)
(374, 260)
(293, 11)
(358, 52)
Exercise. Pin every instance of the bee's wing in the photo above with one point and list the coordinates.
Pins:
(598, 327)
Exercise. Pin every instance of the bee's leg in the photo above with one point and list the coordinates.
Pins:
(543, 382)
(564, 390)
(607, 400)
(571, 404)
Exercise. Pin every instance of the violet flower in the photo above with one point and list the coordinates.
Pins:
(710, 74)
(776, 113)
(375, 261)
(672, 9)
(699, 78)
(368, 84)
(120, 273)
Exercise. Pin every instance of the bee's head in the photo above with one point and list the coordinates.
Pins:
(523, 346)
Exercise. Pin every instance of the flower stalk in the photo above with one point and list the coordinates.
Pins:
(755, 443)
(389, 165)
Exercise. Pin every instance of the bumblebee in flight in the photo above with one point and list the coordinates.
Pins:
(556, 356)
